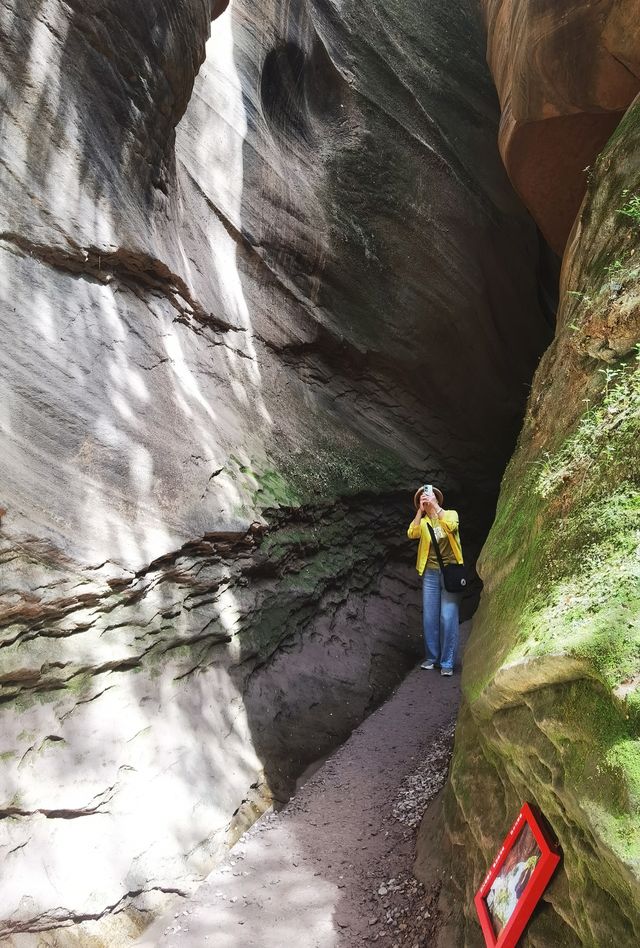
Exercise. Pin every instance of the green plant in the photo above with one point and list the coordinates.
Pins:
(632, 207)
(618, 409)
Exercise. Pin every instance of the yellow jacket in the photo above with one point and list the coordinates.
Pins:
(449, 522)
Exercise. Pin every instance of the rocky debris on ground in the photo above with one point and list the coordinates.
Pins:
(419, 788)
(403, 912)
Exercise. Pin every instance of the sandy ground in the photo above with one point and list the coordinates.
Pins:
(333, 869)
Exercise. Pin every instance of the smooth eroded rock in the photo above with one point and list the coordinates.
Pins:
(565, 74)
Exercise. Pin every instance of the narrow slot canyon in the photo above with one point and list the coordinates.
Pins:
(263, 273)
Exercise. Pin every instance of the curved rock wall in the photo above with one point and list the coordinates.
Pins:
(565, 74)
(552, 671)
(253, 289)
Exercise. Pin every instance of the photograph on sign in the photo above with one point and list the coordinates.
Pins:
(516, 880)
(512, 880)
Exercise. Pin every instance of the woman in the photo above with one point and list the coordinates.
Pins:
(439, 608)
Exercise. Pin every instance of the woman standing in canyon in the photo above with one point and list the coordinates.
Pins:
(440, 607)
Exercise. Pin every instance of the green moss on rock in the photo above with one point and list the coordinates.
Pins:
(552, 672)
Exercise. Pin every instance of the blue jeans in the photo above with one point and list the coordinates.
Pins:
(440, 620)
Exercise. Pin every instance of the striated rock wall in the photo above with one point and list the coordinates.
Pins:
(552, 673)
(254, 288)
(139, 718)
(565, 73)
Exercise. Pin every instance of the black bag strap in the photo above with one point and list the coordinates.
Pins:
(436, 544)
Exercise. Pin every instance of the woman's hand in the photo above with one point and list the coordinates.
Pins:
(429, 505)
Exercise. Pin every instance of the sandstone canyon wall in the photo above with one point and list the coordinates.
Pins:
(254, 288)
(565, 73)
(552, 672)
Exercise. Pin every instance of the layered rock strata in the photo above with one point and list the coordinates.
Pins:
(552, 673)
(253, 289)
(140, 716)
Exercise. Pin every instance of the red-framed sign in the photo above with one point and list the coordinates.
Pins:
(517, 878)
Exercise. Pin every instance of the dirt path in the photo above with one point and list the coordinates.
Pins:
(333, 868)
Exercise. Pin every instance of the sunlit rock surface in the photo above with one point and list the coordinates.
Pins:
(565, 73)
(552, 671)
(244, 310)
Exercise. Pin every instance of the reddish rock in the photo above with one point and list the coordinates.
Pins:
(565, 73)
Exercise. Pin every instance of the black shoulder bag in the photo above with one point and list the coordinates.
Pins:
(454, 575)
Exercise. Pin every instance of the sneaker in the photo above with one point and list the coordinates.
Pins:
(446, 671)
(427, 665)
